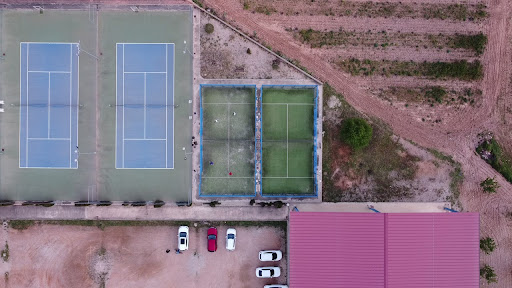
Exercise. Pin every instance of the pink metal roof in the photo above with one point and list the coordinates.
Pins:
(434, 250)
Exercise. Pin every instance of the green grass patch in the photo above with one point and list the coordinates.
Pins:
(463, 70)
(476, 42)
(491, 151)
(21, 224)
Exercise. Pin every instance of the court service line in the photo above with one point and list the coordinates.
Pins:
(145, 105)
(299, 104)
(26, 139)
(229, 103)
(286, 140)
(58, 139)
(49, 103)
(123, 109)
(70, 102)
(173, 100)
(289, 177)
(144, 72)
(144, 139)
(226, 177)
(166, 108)
(47, 71)
(229, 124)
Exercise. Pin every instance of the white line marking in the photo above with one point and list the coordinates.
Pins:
(49, 103)
(287, 140)
(26, 140)
(78, 94)
(67, 139)
(228, 103)
(289, 177)
(128, 72)
(143, 139)
(117, 96)
(48, 71)
(166, 108)
(123, 109)
(229, 124)
(145, 123)
(228, 177)
(173, 91)
(300, 104)
(70, 101)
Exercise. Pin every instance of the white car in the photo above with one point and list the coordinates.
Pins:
(230, 239)
(270, 255)
(183, 238)
(268, 272)
(275, 286)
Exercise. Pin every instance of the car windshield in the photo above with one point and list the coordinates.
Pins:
(274, 255)
(211, 237)
(231, 236)
(183, 234)
(271, 272)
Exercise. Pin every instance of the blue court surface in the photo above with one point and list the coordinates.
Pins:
(49, 105)
(145, 106)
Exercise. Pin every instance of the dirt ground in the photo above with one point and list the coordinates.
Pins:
(455, 135)
(78, 256)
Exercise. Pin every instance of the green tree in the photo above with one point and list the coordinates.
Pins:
(488, 274)
(356, 132)
(487, 245)
(490, 185)
(208, 28)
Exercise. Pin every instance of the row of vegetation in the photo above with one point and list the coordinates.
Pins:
(462, 69)
(488, 245)
(491, 151)
(374, 156)
(431, 95)
(459, 12)
(383, 39)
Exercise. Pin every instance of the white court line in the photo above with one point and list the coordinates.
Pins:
(143, 139)
(49, 103)
(154, 72)
(173, 91)
(226, 177)
(145, 123)
(123, 108)
(229, 103)
(26, 139)
(286, 140)
(166, 108)
(59, 139)
(289, 177)
(70, 101)
(48, 71)
(229, 124)
(78, 93)
(300, 104)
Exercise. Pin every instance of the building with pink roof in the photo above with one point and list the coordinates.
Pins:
(405, 250)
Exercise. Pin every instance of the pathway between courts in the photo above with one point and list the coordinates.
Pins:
(195, 213)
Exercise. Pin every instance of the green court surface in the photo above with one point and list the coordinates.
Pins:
(288, 141)
(228, 123)
(97, 31)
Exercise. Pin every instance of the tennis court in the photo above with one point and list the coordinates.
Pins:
(48, 105)
(227, 140)
(288, 137)
(145, 106)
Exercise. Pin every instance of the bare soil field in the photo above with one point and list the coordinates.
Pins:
(79, 256)
(455, 135)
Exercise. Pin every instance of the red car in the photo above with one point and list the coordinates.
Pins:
(212, 239)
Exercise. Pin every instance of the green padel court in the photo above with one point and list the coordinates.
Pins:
(227, 140)
(288, 137)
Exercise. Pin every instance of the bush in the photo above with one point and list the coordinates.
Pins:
(356, 132)
(474, 42)
(158, 203)
(489, 185)
(208, 28)
(214, 203)
(487, 245)
(249, 51)
(488, 274)
(436, 93)
(252, 202)
(275, 64)
(492, 153)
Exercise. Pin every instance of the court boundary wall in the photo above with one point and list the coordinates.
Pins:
(201, 136)
(315, 141)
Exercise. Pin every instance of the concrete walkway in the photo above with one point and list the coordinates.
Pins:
(383, 207)
(195, 213)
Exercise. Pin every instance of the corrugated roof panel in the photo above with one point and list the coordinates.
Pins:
(336, 250)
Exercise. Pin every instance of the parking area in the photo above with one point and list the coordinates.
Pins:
(135, 256)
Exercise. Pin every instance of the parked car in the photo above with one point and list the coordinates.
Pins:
(268, 272)
(270, 255)
(275, 286)
(183, 238)
(230, 239)
(212, 239)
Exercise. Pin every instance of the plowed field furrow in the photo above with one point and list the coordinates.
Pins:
(380, 82)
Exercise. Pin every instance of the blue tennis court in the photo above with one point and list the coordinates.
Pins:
(145, 106)
(49, 105)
